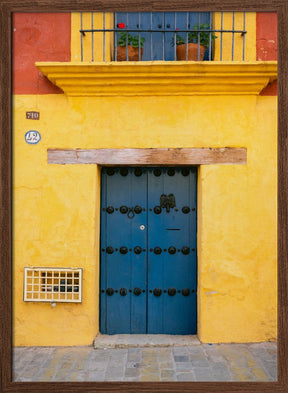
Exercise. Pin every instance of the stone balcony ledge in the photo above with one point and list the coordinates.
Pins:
(160, 78)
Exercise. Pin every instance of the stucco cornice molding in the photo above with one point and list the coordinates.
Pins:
(160, 78)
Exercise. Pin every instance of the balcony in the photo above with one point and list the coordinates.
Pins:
(162, 36)
(229, 65)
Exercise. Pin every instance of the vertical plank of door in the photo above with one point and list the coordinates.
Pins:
(172, 314)
(179, 312)
(118, 266)
(155, 264)
(103, 264)
(193, 242)
(138, 262)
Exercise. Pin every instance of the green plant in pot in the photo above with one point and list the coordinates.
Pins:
(127, 43)
(194, 37)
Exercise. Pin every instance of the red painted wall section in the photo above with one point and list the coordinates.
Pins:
(266, 43)
(270, 90)
(38, 37)
(266, 33)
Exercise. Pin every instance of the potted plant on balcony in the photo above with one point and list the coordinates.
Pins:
(195, 38)
(127, 43)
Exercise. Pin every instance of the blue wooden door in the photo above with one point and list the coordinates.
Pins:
(157, 44)
(148, 251)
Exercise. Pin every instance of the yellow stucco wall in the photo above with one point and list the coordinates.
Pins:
(92, 44)
(56, 208)
(234, 50)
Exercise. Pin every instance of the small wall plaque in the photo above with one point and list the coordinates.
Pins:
(32, 137)
(33, 115)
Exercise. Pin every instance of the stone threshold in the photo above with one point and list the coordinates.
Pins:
(144, 340)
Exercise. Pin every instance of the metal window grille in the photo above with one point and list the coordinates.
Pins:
(160, 36)
(53, 284)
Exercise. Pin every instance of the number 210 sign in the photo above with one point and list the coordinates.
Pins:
(32, 137)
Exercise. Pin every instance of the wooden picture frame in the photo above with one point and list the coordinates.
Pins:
(7, 7)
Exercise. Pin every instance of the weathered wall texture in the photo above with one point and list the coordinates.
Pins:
(56, 208)
(266, 43)
(36, 36)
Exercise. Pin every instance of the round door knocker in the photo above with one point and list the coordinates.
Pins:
(123, 171)
(157, 209)
(137, 291)
(157, 292)
(110, 209)
(123, 209)
(137, 209)
(109, 250)
(110, 171)
(185, 250)
(171, 250)
(123, 250)
(185, 292)
(185, 172)
(171, 291)
(138, 172)
(157, 172)
(109, 291)
(137, 250)
(171, 172)
(123, 291)
(157, 250)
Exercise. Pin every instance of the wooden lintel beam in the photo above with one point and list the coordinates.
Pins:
(149, 157)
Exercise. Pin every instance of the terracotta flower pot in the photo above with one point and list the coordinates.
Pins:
(133, 53)
(192, 53)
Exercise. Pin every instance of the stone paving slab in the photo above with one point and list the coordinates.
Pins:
(201, 362)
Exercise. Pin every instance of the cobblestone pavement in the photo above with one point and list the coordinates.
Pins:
(205, 362)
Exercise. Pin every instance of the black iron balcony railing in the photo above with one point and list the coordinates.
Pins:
(161, 36)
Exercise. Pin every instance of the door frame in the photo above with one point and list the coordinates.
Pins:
(197, 156)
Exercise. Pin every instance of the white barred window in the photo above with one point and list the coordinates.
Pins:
(53, 285)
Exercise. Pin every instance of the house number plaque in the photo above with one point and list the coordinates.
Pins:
(32, 137)
(32, 115)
